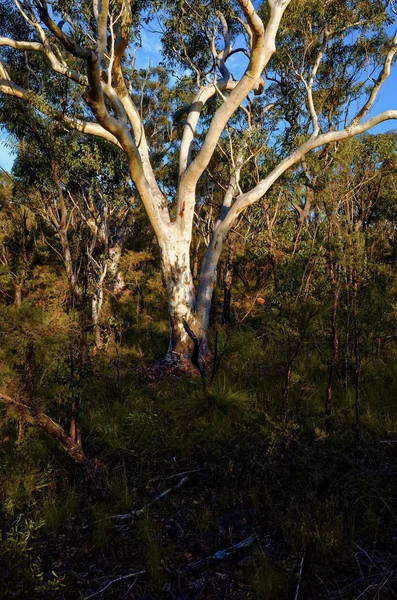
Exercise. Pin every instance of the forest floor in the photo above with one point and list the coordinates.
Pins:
(205, 491)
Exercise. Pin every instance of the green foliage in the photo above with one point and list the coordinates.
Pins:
(152, 550)
(56, 508)
(15, 545)
(268, 581)
(219, 401)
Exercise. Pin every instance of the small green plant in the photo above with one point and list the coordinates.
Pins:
(102, 528)
(150, 539)
(218, 402)
(203, 519)
(17, 560)
(58, 507)
(269, 583)
(119, 490)
(15, 543)
(317, 529)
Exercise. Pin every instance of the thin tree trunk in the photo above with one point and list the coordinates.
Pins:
(334, 351)
(75, 422)
(287, 383)
(97, 304)
(116, 279)
(18, 291)
(357, 358)
(227, 284)
(77, 380)
(68, 261)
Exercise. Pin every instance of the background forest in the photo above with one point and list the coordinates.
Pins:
(271, 471)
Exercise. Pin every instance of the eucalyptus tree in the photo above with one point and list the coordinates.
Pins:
(325, 76)
(84, 203)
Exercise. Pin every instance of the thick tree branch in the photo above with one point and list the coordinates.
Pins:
(383, 75)
(244, 200)
(197, 106)
(24, 46)
(10, 88)
(66, 41)
(208, 272)
(137, 128)
(263, 47)
(107, 126)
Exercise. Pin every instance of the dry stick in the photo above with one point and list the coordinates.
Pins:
(300, 577)
(136, 513)
(136, 574)
(250, 308)
(221, 554)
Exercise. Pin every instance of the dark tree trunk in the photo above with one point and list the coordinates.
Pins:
(287, 382)
(357, 357)
(334, 351)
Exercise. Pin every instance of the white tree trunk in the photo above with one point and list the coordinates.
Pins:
(207, 282)
(180, 296)
(116, 278)
(97, 303)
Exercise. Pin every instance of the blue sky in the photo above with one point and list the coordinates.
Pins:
(150, 52)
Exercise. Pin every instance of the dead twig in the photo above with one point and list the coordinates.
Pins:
(300, 577)
(136, 513)
(221, 554)
(122, 578)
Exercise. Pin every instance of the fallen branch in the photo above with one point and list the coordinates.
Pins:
(221, 554)
(299, 578)
(34, 416)
(136, 513)
(122, 578)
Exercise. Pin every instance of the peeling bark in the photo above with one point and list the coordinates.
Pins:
(181, 298)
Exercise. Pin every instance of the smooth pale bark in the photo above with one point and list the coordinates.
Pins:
(119, 121)
(116, 279)
(96, 304)
(208, 277)
(69, 268)
(227, 284)
(178, 280)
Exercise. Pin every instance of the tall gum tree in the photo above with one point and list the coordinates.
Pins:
(91, 46)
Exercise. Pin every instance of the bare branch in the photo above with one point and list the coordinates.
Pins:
(383, 75)
(25, 46)
(263, 48)
(201, 98)
(245, 200)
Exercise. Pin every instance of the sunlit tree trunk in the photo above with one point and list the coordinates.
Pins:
(178, 281)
